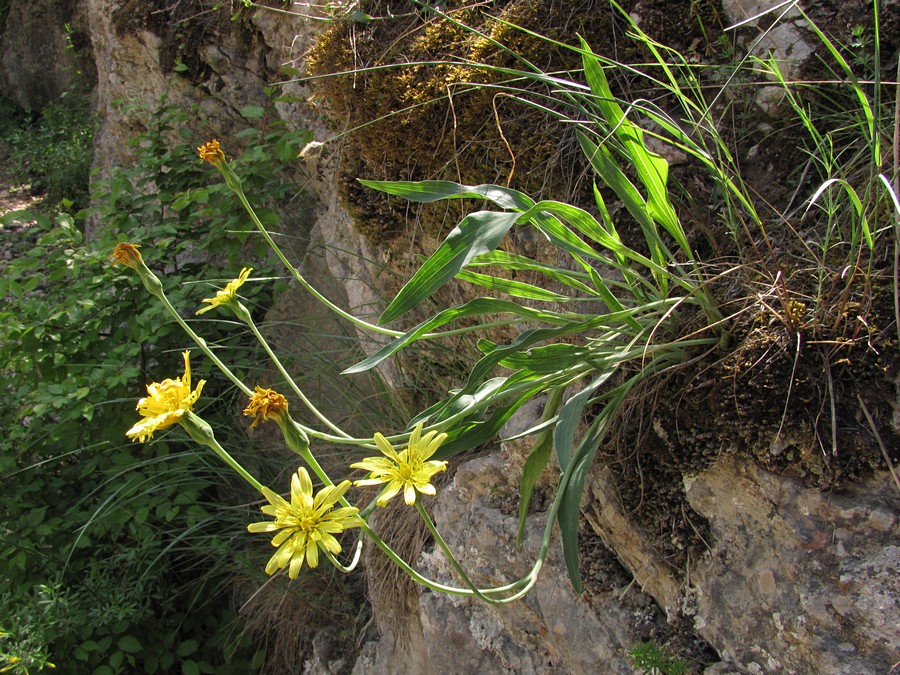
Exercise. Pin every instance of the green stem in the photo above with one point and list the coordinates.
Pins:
(241, 312)
(452, 558)
(236, 188)
(161, 296)
(201, 432)
(352, 566)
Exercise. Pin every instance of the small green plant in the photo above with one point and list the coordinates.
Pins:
(651, 660)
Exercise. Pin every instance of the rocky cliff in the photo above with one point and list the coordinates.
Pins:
(780, 576)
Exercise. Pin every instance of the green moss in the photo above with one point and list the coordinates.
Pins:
(424, 121)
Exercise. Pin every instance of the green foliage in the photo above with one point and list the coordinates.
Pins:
(54, 149)
(543, 360)
(651, 660)
(107, 543)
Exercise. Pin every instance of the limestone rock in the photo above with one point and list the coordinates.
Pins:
(798, 580)
(552, 629)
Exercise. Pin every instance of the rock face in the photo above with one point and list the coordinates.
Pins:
(797, 580)
(37, 65)
(794, 580)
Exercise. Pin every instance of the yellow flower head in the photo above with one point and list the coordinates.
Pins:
(226, 295)
(408, 470)
(307, 523)
(166, 403)
(127, 254)
(264, 405)
(212, 153)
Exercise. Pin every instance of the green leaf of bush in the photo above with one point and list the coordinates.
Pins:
(477, 233)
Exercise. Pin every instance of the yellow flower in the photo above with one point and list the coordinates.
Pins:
(408, 470)
(166, 403)
(127, 254)
(264, 405)
(226, 295)
(306, 523)
(212, 153)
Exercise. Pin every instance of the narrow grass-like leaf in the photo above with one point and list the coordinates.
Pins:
(610, 173)
(561, 236)
(584, 222)
(461, 405)
(523, 341)
(517, 289)
(476, 307)
(577, 466)
(552, 358)
(652, 170)
(537, 459)
(427, 191)
(477, 233)
(863, 222)
(511, 261)
(476, 431)
(569, 418)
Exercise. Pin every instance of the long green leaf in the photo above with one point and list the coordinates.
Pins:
(610, 173)
(476, 307)
(427, 191)
(569, 516)
(552, 358)
(570, 417)
(476, 234)
(652, 170)
(483, 431)
(517, 289)
(461, 405)
(523, 341)
(537, 459)
(511, 261)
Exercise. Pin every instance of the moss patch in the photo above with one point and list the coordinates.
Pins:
(418, 116)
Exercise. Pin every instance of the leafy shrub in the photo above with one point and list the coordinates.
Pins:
(108, 559)
(54, 149)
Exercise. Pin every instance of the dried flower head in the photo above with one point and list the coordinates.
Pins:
(264, 405)
(127, 254)
(212, 153)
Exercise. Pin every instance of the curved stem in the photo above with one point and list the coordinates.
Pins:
(452, 558)
(352, 566)
(242, 313)
(296, 273)
(201, 432)
(161, 296)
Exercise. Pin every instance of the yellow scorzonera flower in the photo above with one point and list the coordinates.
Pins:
(127, 254)
(166, 403)
(307, 523)
(226, 295)
(212, 153)
(408, 470)
(265, 404)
